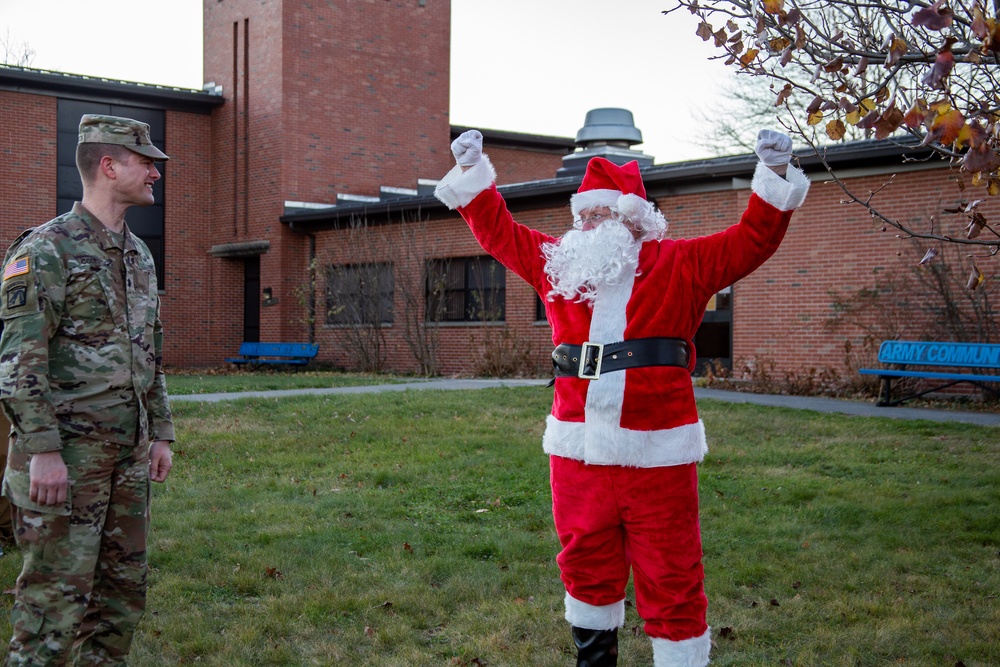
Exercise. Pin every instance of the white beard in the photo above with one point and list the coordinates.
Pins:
(582, 261)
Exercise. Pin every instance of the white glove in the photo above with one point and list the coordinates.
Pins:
(468, 148)
(773, 148)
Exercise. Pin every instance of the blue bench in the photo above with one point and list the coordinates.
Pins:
(903, 354)
(292, 354)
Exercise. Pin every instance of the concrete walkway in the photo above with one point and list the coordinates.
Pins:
(817, 404)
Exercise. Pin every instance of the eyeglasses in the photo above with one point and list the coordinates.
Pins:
(595, 219)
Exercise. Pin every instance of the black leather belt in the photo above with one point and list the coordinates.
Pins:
(589, 360)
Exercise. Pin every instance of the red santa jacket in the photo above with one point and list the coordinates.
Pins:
(641, 417)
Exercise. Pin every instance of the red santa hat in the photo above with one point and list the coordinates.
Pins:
(619, 188)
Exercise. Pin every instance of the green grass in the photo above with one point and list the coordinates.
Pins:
(414, 528)
(215, 382)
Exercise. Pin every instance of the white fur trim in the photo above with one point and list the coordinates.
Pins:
(785, 194)
(691, 652)
(458, 188)
(589, 617)
(610, 444)
(632, 207)
(588, 199)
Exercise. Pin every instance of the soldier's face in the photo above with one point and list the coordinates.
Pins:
(134, 179)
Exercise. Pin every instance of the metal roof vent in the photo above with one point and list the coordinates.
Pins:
(609, 126)
(607, 133)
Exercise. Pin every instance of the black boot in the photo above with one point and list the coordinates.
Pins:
(596, 648)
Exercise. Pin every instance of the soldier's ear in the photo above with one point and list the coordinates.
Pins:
(107, 166)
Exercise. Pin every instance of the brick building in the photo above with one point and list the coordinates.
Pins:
(303, 174)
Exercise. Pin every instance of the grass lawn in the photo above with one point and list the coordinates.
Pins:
(413, 529)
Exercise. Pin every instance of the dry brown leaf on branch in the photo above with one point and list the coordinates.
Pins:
(917, 114)
(939, 71)
(896, 49)
(785, 93)
(888, 123)
(836, 129)
(975, 226)
(976, 278)
(981, 159)
(704, 31)
(934, 17)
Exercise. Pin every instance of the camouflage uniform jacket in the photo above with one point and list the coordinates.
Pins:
(81, 346)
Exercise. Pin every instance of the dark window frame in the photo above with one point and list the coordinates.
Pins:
(465, 290)
(369, 290)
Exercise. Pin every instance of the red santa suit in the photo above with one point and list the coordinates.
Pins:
(623, 447)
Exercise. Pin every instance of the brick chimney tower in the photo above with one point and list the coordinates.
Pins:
(323, 98)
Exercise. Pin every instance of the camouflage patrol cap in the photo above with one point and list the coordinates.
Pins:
(131, 134)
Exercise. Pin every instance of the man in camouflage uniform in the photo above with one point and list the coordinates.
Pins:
(82, 383)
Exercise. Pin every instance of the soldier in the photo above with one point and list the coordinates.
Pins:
(82, 383)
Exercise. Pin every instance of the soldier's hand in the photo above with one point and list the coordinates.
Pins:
(161, 460)
(49, 479)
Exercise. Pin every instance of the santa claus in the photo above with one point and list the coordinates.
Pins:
(624, 436)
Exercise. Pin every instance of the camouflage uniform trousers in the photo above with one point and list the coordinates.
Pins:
(82, 589)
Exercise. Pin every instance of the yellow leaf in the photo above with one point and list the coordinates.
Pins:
(964, 137)
(773, 6)
(815, 117)
(747, 58)
(835, 130)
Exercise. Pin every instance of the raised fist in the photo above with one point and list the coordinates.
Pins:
(773, 148)
(468, 148)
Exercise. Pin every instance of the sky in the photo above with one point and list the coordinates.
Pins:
(534, 66)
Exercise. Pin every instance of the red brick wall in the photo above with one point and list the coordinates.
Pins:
(27, 162)
(322, 99)
(521, 166)
(366, 95)
(201, 302)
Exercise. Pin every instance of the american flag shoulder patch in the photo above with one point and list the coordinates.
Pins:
(18, 267)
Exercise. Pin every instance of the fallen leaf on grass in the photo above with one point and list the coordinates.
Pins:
(274, 573)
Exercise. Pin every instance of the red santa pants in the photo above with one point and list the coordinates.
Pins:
(611, 519)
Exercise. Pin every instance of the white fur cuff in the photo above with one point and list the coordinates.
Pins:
(785, 194)
(583, 615)
(685, 653)
(458, 188)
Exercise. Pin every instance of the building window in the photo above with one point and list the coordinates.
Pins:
(146, 222)
(359, 294)
(540, 314)
(466, 289)
(714, 339)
